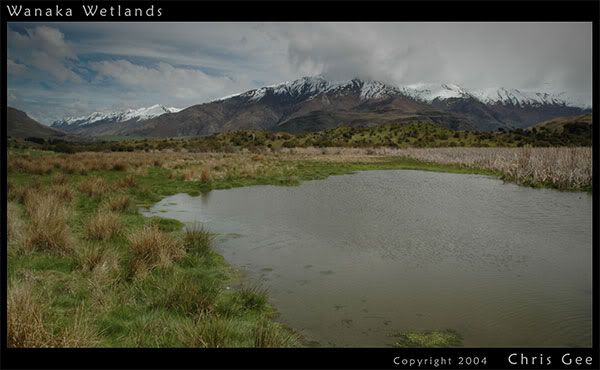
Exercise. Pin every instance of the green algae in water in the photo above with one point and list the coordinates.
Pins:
(428, 339)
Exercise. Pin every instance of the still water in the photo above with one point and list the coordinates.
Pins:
(353, 259)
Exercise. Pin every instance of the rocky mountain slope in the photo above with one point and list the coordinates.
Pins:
(20, 125)
(314, 103)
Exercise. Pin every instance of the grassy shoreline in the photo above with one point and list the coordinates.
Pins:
(101, 274)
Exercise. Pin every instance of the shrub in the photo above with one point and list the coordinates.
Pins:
(153, 248)
(103, 226)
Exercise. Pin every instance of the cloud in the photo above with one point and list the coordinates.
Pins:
(15, 69)
(61, 69)
(185, 84)
(45, 48)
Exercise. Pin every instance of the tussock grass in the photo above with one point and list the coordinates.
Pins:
(93, 186)
(103, 226)
(428, 339)
(268, 334)
(59, 179)
(118, 203)
(186, 293)
(88, 256)
(63, 191)
(153, 248)
(164, 286)
(48, 229)
(197, 239)
(215, 333)
(252, 297)
(128, 181)
(28, 326)
(25, 324)
(14, 226)
(80, 334)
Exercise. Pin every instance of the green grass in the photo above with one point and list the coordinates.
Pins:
(427, 339)
(199, 300)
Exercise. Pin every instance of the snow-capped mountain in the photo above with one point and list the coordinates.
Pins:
(503, 96)
(315, 103)
(134, 115)
(311, 87)
(307, 88)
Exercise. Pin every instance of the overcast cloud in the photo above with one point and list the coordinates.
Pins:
(65, 69)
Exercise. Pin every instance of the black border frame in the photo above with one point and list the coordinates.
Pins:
(463, 11)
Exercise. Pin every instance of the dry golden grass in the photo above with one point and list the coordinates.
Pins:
(153, 248)
(118, 203)
(14, 224)
(128, 181)
(93, 186)
(27, 327)
(48, 228)
(25, 318)
(561, 167)
(103, 226)
(59, 179)
(63, 191)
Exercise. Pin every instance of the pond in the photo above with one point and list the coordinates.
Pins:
(351, 260)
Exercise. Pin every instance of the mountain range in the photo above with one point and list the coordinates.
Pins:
(315, 103)
(19, 124)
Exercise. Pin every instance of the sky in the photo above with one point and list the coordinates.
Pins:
(56, 70)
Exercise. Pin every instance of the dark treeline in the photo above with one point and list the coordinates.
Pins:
(420, 135)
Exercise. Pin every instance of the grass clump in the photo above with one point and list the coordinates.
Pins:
(63, 191)
(215, 332)
(103, 226)
(428, 339)
(25, 318)
(93, 186)
(188, 293)
(118, 203)
(48, 229)
(153, 248)
(252, 297)
(268, 334)
(197, 239)
(14, 225)
(128, 181)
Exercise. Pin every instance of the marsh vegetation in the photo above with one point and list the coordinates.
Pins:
(86, 269)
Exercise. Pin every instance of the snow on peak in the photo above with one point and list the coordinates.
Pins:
(139, 114)
(311, 87)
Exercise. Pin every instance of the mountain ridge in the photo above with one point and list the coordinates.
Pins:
(315, 103)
